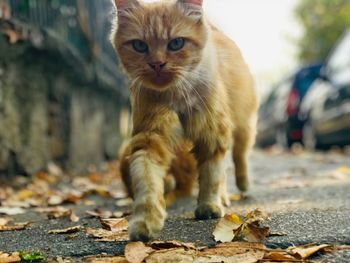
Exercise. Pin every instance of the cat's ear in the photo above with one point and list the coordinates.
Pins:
(192, 8)
(122, 5)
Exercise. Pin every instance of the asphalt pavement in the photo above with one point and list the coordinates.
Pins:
(306, 195)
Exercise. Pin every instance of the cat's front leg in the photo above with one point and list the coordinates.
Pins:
(149, 161)
(211, 176)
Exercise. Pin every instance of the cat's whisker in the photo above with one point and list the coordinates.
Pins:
(189, 87)
(183, 89)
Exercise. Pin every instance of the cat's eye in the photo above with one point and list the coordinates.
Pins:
(176, 44)
(139, 46)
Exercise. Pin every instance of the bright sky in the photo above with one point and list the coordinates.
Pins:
(264, 30)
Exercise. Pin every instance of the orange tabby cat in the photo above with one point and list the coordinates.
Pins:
(187, 80)
(181, 175)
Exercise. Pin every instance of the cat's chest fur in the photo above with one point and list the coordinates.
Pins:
(184, 102)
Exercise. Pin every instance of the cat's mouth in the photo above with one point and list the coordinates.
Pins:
(161, 81)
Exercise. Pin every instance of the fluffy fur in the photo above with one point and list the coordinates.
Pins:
(204, 92)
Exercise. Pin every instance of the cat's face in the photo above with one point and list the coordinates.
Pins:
(160, 43)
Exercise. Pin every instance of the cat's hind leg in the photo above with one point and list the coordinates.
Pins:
(243, 141)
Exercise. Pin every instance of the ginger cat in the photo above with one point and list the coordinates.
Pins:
(181, 175)
(187, 80)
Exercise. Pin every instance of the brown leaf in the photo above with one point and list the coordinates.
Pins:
(277, 234)
(25, 194)
(69, 230)
(236, 252)
(224, 230)
(137, 252)
(105, 260)
(306, 251)
(12, 210)
(171, 244)
(55, 212)
(280, 256)
(231, 227)
(15, 227)
(104, 235)
(55, 200)
(74, 218)
(235, 197)
(175, 254)
(124, 202)
(54, 169)
(4, 221)
(254, 232)
(12, 35)
(115, 224)
(8, 258)
(255, 215)
(100, 213)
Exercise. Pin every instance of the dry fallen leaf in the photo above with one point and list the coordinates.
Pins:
(175, 254)
(8, 258)
(235, 197)
(341, 173)
(174, 251)
(106, 214)
(12, 210)
(69, 230)
(224, 230)
(124, 202)
(137, 252)
(306, 251)
(232, 227)
(255, 215)
(55, 212)
(105, 260)
(54, 169)
(74, 218)
(4, 221)
(172, 244)
(279, 256)
(13, 36)
(236, 252)
(15, 227)
(254, 232)
(100, 213)
(115, 224)
(55, 200)
(104, 235)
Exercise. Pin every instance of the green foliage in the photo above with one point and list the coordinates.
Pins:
(35, 256)
(324, 21)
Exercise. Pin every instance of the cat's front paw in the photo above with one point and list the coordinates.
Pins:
(209, 211)
(141, 230)
(225, 199)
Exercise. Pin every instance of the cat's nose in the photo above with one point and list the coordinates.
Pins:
(157, 66)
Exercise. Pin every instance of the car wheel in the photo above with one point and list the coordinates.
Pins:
(309, 139)
(282, 139)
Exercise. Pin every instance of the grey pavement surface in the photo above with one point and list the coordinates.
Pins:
(307, 197)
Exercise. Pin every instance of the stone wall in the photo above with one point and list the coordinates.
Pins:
(54, 106)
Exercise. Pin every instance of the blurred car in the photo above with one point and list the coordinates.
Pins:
(326, 107)
(279, 120)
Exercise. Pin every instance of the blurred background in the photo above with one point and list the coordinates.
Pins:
(63, 98)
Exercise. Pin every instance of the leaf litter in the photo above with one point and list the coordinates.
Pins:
(232, 227)
(113, 230)
(42, 194)
(69, 230)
